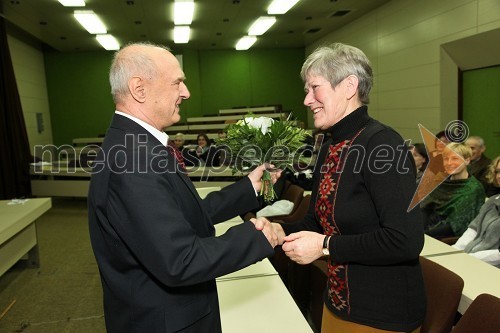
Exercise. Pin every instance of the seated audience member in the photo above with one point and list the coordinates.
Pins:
(448, 210)
(436, 163)
(421, 159)
(493, 178)
(479, 163)
(179, 141)
(203, 146)
(205, 152)
(435, 170)
(482, 237)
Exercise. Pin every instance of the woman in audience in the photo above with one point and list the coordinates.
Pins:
(205, 152)
(421, 159)
(454, 203)
(436, 161)
(493, 178)
(482, 237)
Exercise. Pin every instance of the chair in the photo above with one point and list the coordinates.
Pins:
(290, 192)
(295, 194)
(299, 211)
(449, 240)
(280, 261)
(443, 289)
(318, 276)
(481, 316)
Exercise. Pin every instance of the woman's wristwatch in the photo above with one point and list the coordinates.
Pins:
(325, 249)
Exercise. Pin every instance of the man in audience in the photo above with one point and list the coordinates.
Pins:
(152, 236)
(479, 162)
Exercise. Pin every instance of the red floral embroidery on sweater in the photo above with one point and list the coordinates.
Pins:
(324, 210)
(331, 170)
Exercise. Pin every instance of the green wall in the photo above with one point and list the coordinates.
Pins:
(79, 94)
(481, 104)
(81, 104)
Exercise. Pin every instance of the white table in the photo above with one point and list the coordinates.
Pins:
(254, 299)
(434, 247)
(222, 227)
(259, 305)
(479, 277)
(18, 231)
(261, 268)
(204, 191)
(75, 181)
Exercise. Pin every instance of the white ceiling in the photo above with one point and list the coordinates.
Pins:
(217, 24)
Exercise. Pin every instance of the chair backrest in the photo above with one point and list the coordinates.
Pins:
(298, 212)
(318, 276)
(293, 193)
(449, 240)
(443, 289)
(481, 316)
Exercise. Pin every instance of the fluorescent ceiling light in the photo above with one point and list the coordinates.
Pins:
(183, 12)
(261, 25)
(280, 6)
(246, 42)
(72, 3)
(109, 42)
(90, 21)
(181, 34)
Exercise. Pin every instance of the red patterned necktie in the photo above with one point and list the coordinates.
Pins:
(178, 155)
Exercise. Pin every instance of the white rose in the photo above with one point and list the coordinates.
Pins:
(262, 123)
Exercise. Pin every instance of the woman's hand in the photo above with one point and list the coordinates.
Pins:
(304, 247)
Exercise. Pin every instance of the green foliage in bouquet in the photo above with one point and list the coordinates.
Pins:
(253, 141)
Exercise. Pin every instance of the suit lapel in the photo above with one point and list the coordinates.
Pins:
(130, 127)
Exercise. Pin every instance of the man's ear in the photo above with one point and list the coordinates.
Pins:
(137, 89)
(351, 84)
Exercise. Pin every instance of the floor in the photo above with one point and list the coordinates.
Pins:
(64, 295)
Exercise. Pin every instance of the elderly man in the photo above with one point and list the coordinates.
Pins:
(479, 163)
(152, 235)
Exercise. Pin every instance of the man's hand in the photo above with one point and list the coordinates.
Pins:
(256, 175)
(278, 230)
(304, 247)
(267, 228)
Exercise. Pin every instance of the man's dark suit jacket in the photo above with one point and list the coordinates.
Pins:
(153, 237)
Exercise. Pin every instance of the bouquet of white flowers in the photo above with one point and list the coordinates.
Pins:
(253, 141)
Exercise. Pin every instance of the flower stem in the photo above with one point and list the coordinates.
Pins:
(267, 189)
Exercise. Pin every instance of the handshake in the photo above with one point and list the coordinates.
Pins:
(302, 247)
(273, 231)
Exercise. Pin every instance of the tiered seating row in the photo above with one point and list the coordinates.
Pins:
(208, 119)
(256, 109)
